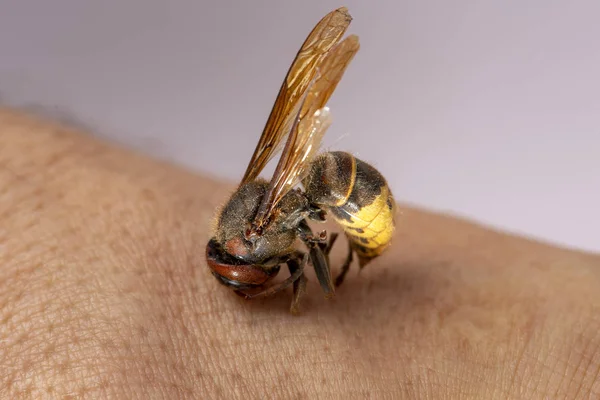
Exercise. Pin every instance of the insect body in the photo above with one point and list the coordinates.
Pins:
(358, 198)
(257, 228)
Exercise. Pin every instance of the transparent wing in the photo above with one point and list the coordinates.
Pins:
(299, 150)
(330, 73)
(307, 132)
(324, 36)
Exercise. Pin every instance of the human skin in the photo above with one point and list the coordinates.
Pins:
(105, 293)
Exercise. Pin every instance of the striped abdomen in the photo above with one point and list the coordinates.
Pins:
(358, 198)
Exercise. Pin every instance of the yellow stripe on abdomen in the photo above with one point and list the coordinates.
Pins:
(371, 227)
(357, 196)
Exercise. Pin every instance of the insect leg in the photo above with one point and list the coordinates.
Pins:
(300, 283)
(326, 247)
(271, 290)
(345, 266)
(318, 259)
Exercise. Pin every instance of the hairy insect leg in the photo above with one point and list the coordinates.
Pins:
(300, 283)
(271, 290)
(345, 266)
(318, 258)
(326, 247)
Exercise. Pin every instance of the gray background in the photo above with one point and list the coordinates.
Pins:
(484, 109)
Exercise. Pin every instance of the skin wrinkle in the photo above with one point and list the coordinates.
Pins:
(570, 352)
(581, 338)
(563, 372)
(568, 372)
(522, 345)
(541, 361)
(589, 334)
(133, 271)
(595, 386)
(556, 374)
(592, 368)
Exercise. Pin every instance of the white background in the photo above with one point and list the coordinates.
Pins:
(484, 109)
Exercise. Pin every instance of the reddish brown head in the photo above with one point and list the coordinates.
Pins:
(233, 271)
